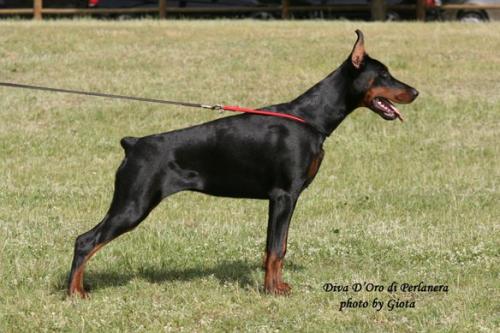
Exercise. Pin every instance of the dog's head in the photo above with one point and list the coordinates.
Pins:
(374, 86)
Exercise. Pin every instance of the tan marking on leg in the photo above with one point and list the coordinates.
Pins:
(283, 248)
(273, 280)
(76, 285)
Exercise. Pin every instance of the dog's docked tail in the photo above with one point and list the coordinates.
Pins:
(128, 142)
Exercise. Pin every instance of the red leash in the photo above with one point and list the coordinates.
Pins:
(159, 101)
(261, 112)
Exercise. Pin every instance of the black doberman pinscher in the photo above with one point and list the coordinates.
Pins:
(244, 156)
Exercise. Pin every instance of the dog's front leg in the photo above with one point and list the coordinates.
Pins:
(281, 206)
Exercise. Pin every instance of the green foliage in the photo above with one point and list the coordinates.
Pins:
(410, 202)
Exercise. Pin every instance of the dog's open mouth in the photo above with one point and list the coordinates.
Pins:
(385, 109)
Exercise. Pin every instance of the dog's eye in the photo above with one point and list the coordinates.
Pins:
(384, 75)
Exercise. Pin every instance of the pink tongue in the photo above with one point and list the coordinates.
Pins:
(396, 111)
(398, 114)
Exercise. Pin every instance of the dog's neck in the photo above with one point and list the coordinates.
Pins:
(324, 105)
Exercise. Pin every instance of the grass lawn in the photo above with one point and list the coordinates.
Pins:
(393, 202)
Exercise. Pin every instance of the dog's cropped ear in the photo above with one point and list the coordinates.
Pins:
(358, 52)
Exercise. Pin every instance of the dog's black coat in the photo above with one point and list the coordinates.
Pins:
(245, 156)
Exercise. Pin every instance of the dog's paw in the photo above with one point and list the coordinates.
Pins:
(78, 292)
(281, 288)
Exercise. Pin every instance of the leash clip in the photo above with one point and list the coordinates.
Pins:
(215, 107)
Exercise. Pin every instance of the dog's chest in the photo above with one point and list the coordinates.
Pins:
(313, 167)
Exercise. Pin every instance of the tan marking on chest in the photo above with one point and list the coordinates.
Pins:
(315, 164)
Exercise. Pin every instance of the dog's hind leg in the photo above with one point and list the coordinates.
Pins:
(137, 191)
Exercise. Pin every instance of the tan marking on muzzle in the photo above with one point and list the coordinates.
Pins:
(401, 96)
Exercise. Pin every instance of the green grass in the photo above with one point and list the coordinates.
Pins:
(410, 202)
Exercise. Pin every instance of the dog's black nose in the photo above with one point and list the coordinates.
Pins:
(414, 92)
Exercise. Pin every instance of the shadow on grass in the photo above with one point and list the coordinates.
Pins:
(228, 271)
